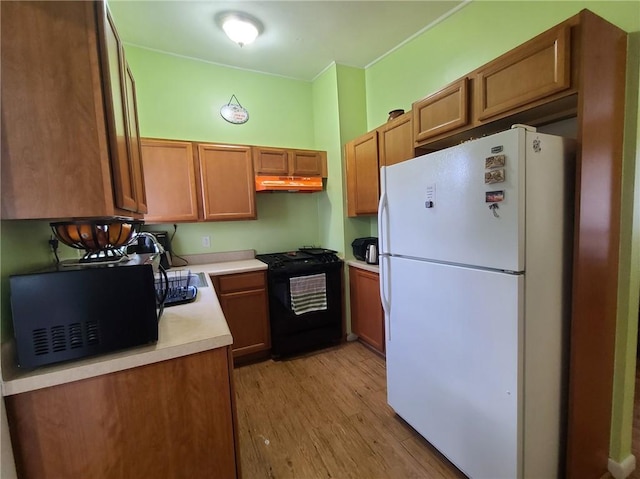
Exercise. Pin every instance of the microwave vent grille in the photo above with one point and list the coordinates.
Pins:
(75, 335)
(92, 333)
(40, 342)
(60, 338)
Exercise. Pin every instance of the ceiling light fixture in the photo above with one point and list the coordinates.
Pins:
(239, 27)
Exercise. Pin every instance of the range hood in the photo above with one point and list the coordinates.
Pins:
(305, 184)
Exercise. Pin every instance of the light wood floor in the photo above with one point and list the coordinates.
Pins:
(325, 416)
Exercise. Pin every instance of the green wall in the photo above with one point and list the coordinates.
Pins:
(180, 98)
(476, 34)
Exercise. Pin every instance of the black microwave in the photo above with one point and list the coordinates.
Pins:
(77, 311)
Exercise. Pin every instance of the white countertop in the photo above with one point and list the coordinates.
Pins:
(182, 330)
(374, 268)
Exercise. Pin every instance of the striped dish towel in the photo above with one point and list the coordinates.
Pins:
(308, 293)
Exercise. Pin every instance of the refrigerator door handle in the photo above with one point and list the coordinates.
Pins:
(383, 211)
(383, 253)
(384, 299)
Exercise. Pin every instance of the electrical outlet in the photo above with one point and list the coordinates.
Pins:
(206, 241)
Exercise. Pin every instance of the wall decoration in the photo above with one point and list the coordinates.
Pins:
(234, 112)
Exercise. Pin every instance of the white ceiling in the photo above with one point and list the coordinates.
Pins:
(300, 38)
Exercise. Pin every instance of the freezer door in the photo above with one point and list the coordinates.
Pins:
(459, 205)
(454, 360)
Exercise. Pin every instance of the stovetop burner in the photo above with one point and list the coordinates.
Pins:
(299, 258)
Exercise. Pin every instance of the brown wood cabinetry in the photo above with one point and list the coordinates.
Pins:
(389, 144)
(227, 182)
(69, 125)
(212, 183)
(535, 70)
(135, 150)
(367, 317)
(243, 297)
(441, 112)
(170, 179)
(287, 162)
(535, 83)
(362, 175)
(395, 140)
(174, 418)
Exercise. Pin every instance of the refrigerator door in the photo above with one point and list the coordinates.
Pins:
(459, 205)
(454, 362)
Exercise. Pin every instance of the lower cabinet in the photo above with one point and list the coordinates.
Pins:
(367, 317)
(175, 418)
(243, 298)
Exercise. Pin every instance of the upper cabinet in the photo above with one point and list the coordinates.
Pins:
(170, 180)
(441, 112)
(287, 162)
(69, 123)
(227, 182)
(389, 144)
(362, 175)
(395, 140)
(189, 181)
(534, 83)
(535, 70)
(135, 148)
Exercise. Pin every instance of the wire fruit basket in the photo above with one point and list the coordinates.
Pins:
(101, 238)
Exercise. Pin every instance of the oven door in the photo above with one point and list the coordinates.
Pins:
(295, 331)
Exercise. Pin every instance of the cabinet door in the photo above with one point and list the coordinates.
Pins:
(363, 188)
(227, 181)
(367, 318)
(134, 142)
(55, 155)
(116, 109)
(537, 69)
(441, 112)
(170, 180)
(173, 418)
(306, 162)
(247, 317)
(243, 298)
(271, 161)
(395, 140)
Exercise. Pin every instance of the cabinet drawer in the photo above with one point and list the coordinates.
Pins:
(537, 69)
(240, 282)
(441, 112)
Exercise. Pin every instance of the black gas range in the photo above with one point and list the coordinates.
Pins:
(296, 330)
(302, 260)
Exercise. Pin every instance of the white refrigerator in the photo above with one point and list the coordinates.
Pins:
(475, 255)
